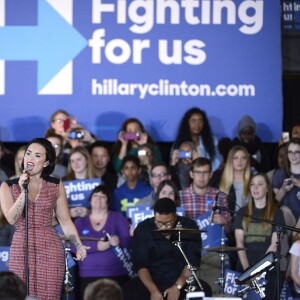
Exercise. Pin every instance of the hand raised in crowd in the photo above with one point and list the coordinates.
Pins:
(121, 138)
(143, 138)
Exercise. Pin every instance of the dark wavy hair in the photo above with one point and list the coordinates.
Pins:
(117, 146)
(184, 134)
(104, 190)
(50, 155)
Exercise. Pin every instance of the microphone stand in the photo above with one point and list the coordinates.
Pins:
(278, 227)
(25, 186)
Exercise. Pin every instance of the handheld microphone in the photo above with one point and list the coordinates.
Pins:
(213, 210)
(26, 171)
(26, 182)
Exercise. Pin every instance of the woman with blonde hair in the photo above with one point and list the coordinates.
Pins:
(79, 167)
(80, 164)
(236, 177)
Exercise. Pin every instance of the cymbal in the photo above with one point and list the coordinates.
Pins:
(82, 238)
(223, 248)
(181, 230)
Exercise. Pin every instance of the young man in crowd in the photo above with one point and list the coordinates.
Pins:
(132, 190)
(197, 200)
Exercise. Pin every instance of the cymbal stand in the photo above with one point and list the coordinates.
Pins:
(190, 267)
(223, 257)
(68, 285)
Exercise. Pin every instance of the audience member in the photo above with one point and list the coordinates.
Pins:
(234, 183)
(11, 287)
(18, 162)
(247, 138)
(146, 157)
(100, 156)
(295, 263)
(131, 136)
(57, 142)
(181, 160)
(258, 237)
(194, 127)
(236, 177)
(161, 268)
(279, 159)
(286, 181)
(103, 289)
(65, 125)
(197, 200)
(80, 167)
(168, 189)
(7, 161)
(112, 229)
(159, 172)
(132, 190)
(224, 146)
(6, 231)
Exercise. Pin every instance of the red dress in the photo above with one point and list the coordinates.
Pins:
(46, 253)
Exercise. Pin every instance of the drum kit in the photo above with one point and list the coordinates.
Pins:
(222, 250)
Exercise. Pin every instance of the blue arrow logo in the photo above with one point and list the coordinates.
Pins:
(53, 43)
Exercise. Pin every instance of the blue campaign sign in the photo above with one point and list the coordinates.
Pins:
(138, 214)
(106, 60)
(212, 237)
(231, 288)
(78, 191)
(4, 258)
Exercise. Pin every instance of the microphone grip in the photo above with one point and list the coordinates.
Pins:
(211, 218)
(213, 209)
(26, 182)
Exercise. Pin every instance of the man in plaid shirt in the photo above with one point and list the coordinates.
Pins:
(198, 199)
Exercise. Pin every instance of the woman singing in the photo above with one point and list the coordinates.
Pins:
(45, 194)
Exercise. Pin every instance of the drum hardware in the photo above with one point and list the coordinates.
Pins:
(193, 277)
(222, 250)
(68, 285)
(180, 230)
(82, 238)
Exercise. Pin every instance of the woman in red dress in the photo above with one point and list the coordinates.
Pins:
(45, 194)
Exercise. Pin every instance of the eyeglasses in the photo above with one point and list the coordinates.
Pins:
(160, 175)
(168, 224)
(58, 120)
(198, 173)
(294, 152)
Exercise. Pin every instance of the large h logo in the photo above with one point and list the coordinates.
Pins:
(53, 43)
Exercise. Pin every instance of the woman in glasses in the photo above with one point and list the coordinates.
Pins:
(286, 181)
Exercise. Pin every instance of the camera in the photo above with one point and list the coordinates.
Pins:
(285, 137)
(131, 136)
(76, 135)
(288, 181)
(184, 154)
(142, 152)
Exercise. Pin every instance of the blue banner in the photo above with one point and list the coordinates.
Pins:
(4, 258)
(231, 288)
(212, 237)
(78, 191)
(138, 214)
(106, 60)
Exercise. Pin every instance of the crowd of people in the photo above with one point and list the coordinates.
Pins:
(141, 259)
